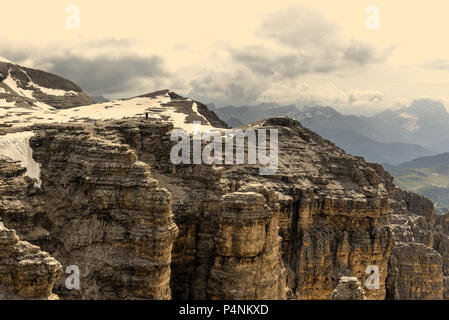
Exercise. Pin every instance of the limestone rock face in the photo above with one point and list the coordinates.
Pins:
(139, 226)
(417, 267)
(100, 210)
(349, 288)
(20, 205)
(110, 218)
(247, 263)
(323, 215)
(26, 272)
(415, 273)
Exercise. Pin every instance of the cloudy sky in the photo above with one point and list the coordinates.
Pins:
(240, 52)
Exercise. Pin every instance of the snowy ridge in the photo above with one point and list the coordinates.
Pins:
(17, 115)
(28, 85)
(32, 87)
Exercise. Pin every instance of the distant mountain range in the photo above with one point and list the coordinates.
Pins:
(99, 99)
(391, 136)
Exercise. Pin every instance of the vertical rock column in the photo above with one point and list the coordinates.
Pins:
(247, 264)
(26, 272)
(104, 214)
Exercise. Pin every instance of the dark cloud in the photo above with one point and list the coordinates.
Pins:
(266, 63)
(105, 74)
(15, 55)
(361, 53)
(298, 27)
(227, 87)
(313, 45)
(110, 71)
(110, 43)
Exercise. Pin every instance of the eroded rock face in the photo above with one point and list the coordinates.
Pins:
(415, 273)
(348, 288)
(326, 216)
(26, 272)
(100, 210)
(112, 203)
(110, 218)
(417, 267)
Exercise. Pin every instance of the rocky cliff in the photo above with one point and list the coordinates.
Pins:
(417, 267)
(99, 210)
(241, 235)
(26, 272)
(137, 226)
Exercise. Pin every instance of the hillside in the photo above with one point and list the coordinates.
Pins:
(426, 162)
(30, 88)
(428, 176)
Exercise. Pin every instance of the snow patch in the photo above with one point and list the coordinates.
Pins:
(412, 121)
(54, 92)
(137, 107)
(16, 146)
(195, 109)
(112, 109)
(10, 82)
(4, 103)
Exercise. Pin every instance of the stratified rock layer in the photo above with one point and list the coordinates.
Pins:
(112, 203)
(416, 267)
(323, 215)
(98, 209)
(26, 272)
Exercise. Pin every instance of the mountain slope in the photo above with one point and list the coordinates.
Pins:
(426, 162)
(425, 122)
(29, 96)
(428, 176)
(22, 84)
(182, 112)
(374, 151)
